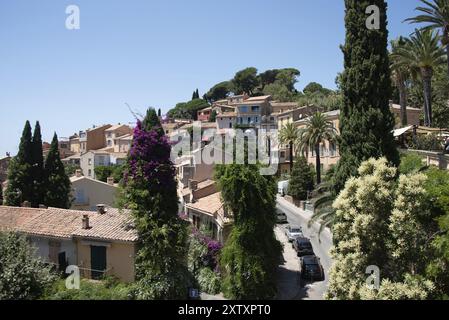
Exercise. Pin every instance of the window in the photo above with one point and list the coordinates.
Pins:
(256, 119)
(230, 125)
(249, 119)
(109, 134)
(255, 108)
(89, 161)
(101, 160)
(109, 143)
(89, 173)
(243, 109)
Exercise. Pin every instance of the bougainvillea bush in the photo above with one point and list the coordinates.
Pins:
(203, 261)
(149, 191)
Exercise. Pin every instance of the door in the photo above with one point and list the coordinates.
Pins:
(97, 261)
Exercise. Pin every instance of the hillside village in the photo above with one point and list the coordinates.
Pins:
(361, 182)
(200, 200)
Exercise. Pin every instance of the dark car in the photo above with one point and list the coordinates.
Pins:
(281, 217)
(311, 268)
(303, 247)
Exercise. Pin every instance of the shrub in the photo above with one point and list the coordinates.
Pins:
(428, 142)
(22, 275)
(410, 162)
(108, 289)
(301, 181)
(209, 281)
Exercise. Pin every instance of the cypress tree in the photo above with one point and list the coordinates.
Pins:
(150, 192)
(197, 94)
(38, 167)
(301, 181)
(366, 122)
(251, 254)
(1, 193)
(159, 112)
(20, 181)
(57, 183)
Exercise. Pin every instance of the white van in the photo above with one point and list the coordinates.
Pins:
(283, 187)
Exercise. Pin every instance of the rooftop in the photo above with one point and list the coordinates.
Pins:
(209, 205)
(67, 224)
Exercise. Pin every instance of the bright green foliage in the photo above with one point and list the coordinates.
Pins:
(289, 135)
(37, 169)
(188, 110)
(422, 54)
(435, 14)
(250, 256)
(209, 281)
(301, 181)
(381, 221)
(366, 121)
(219, 91)
(108, 289)
(213, 116)
(70, 169)
(57, 183)
(20, 181)
(102, 173)
(318, 129)
(430, 142)
(411, 163)
(314, 87)
(245, 81)
(22, 275)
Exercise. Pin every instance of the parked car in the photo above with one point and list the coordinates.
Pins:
(282, 187)
(311, 269)
(303, 247)
(293, 232)
(281, 217)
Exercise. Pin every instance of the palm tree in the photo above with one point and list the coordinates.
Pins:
(400, 74)
(422, 54)
(436, 15)
(317, 130)
(289, 135)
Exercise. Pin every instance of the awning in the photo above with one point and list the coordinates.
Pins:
(401, 131)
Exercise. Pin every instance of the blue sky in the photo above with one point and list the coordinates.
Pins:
(154, 53)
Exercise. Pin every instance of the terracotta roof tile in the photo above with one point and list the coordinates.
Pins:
(61, 223)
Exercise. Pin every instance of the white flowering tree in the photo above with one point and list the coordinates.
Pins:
(378, 224)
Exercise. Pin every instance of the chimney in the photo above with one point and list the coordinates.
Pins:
(111, 181)
(78, 173)
(86, 222)
(101, 208)
(26, 204)
(193, 185)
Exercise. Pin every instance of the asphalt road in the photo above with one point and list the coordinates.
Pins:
(321, 246)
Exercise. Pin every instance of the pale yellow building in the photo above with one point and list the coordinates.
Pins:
(87, 193)
(101, 243)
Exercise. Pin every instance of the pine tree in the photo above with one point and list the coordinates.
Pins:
(301, 181)
(20, 182)
(37, 168)
(57, 183)
(150, 193)
(366, 122)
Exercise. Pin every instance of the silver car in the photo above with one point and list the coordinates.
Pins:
(293, 232)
